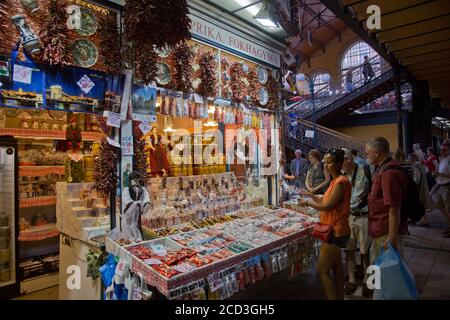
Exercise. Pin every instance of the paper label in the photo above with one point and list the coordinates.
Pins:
(127, 146)
(309, 134)
(159, 250)
(120, 268)
(145, 127)
(152, 261)
(183, 267)
(198, 98)
(113, 120)
(112, 142)
(85, 84)
(22, 74)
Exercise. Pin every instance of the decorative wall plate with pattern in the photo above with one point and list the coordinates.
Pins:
(262, 74)
(263, 96)
(88, 23)
(163, 75)
(84, 53)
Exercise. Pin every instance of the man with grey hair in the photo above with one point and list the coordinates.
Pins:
(299, 168)
(389, 190)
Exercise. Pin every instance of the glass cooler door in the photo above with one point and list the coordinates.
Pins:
(7, 216)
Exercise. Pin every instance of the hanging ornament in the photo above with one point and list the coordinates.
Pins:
(157, 22)
(105, 173)
(273, 89)
(237, 83)
(182, 61)
(28, 39)
(110, 44)
(207, 87)
(55, 46)
(146, 63)
(254, 86)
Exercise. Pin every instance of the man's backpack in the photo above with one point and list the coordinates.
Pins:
(412, 208)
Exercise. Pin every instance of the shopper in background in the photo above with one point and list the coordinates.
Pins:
(420, 178)
(432, 164)
(299, 168)
(360, 178)
(349, 80)
(317, 178)
(360, 161)
(367, 70)
(389, 190)
(284, 179)
(400, 157)
(335, 210)
(418, 151)
(442, 186)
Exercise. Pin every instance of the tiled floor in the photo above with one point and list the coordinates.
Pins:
(426, 252)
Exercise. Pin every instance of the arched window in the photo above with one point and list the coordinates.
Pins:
(321, 81)
(354, 57)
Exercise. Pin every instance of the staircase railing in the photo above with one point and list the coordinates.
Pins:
(327, 95)
(295, 131)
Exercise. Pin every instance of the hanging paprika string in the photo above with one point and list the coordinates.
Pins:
(237, 83)
(110, 44)
(53, 37)
(182, 61)
(207, 87)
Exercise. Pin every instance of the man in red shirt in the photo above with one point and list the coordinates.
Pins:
(388, 192)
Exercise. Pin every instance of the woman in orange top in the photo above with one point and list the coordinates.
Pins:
(335, 210)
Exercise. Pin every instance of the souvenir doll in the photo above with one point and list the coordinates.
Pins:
(157, 160)
(73, 135)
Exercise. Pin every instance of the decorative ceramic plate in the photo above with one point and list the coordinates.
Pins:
(163, 52)
(163, 75)
(196, 83)
(263, 96)
(88, 23)
(262, 74)
(84, 53)
(245, 67)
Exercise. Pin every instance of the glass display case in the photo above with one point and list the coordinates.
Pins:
(8, 214)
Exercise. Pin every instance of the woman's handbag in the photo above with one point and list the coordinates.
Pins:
(323, 232)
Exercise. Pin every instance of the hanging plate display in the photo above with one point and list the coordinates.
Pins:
(262, 75)
(84, 53)
(263, 96)
(88, 23)
(163, 52)
(163, 75)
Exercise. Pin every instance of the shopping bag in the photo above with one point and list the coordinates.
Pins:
(397, 281)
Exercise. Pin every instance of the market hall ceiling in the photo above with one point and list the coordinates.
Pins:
(318, 24)
(415, 32)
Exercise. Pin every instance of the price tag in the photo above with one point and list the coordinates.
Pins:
(198, 98)
(120, 268)
(127, 146)
(113, 120)
(112, 142)
(309, 134)
(152, 261)
(145, 127)
(159, 250)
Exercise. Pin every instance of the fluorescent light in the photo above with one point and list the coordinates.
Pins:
(266, 16)
(252, 9)
(266, 22)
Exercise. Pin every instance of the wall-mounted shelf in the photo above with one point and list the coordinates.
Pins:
(38, 202)
(48, 134)
(38, 171)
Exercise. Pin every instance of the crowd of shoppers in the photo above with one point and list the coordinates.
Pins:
(362, 200)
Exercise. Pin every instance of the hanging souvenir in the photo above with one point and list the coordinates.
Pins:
(207, 87)
(237, 84)
(185, 108)
(110, 44)
(28, 39)
(84, 53)
(55, 47)
(163, 76)
(163, 105)
(223, 116)
(179, 112)
(172, 107)
(30, 5)
(88, 23)
(217, 114)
